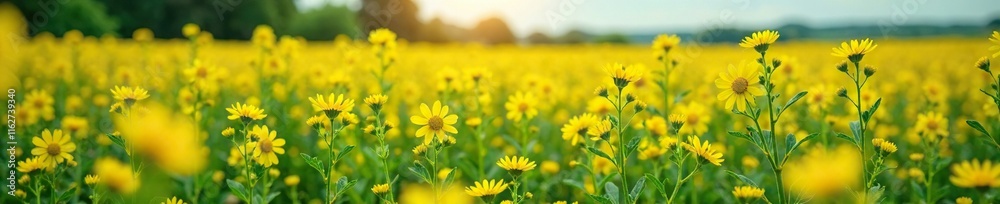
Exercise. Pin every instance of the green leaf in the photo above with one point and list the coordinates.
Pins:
(656, 184)
(117, 140)
(237, 189)
(848, 138)
(314, 162)
(600, 153)
(742, 135)
(343, 185)
(790, 143)
(742, 178)
(421, 171)
(614, 121)
(680, 96)
(600, 199)
(633, 144)
(639, 185)
(995, 98)
(856, 130)
(451, 177)
(344, 152)
(271, 197)
(795, 99)
(871, 111)
(607, 179)
(917, 188)
(574, 183)
(611, 191)
(975, 125)
(800, 142)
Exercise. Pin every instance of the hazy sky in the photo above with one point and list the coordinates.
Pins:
(650, 16)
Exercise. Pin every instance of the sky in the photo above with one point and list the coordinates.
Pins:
(555, 17)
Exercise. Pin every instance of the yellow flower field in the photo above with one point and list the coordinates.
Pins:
(278, 119)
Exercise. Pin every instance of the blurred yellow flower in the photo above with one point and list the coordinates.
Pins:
(117, 176)
(748, 194)
(380, 188)
(190, 30)
(173, 200)
(963, 200)
(521, 105)
(129, 95)
(975, 174)
(577, 127)
(31, 164)
(245, 112)
(932, 125)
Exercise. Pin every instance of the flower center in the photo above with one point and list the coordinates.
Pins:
(54, 149)
(436, 123)
(522, 107)
(932, 125)
(266, 147)
(692, 119)
(202, 73)
(740, 85)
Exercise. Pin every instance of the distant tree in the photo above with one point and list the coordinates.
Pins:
(493, 30)
(400, 16)
(56, 17)
(614, 38)
(435, 31)
(324, 23)
(539, 38)
(573, 37)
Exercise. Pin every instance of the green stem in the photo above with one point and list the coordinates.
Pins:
(621, 148)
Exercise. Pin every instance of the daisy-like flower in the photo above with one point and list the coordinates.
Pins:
(199, 73)
(656, 125)
(521, 105)
(380, 188)
(376, 101)
(855, 50)
(333, 105)
(515, 165)
(740, 85)
(486, 188)
(577, 127)
(696, 118)
(116, 175)
(983, 63)
(975, 174)
(318, 121)
(263, 36)
(622, 74)
(436, 122)
(703, 150)
(38, 105)
(600, 130)
(245, 112)
(883, 146)
(92, 179)
(173, 200)
(382, 36)
(663, 43)
(30, 164)
(963, 200)
(932, 125)
(760, 40)
(995, 38)
(748, 194)
(267, 147)
(129, 94)
(53, 147)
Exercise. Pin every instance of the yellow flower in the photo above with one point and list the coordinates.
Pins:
(30, 164)
(760, 40)
(750, 162)
(92, 179)
(664, 42)
(116, 175)
(318, 121)
(38, 105)
(229, 131)
(333, 105)
(975, 174)
(883, 145)
(292, 180)
(855, 50)
(200, 73)
(515, 165)
(995, 38)
(53, 147)
(550, 167)
(696, 118)
(190, 30)
(268, 146)
(380, 188)
(167, 139)
(245, 112)
(263, 36)
(740, 85)
(656, 125)
(142, 35)
(420, 149)
(75, 125)
(748, 193)
(600, 130)
(932, 125)
(521, 105)
(173, 200)
(129, 94)
(486, 188)
(436, 122)
(963, 200)
(703, 150)
(381, 36)
(651, 152)
(577, 127)
(376, 101)
(623, 75)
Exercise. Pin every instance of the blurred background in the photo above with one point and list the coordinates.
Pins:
(519, 21)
